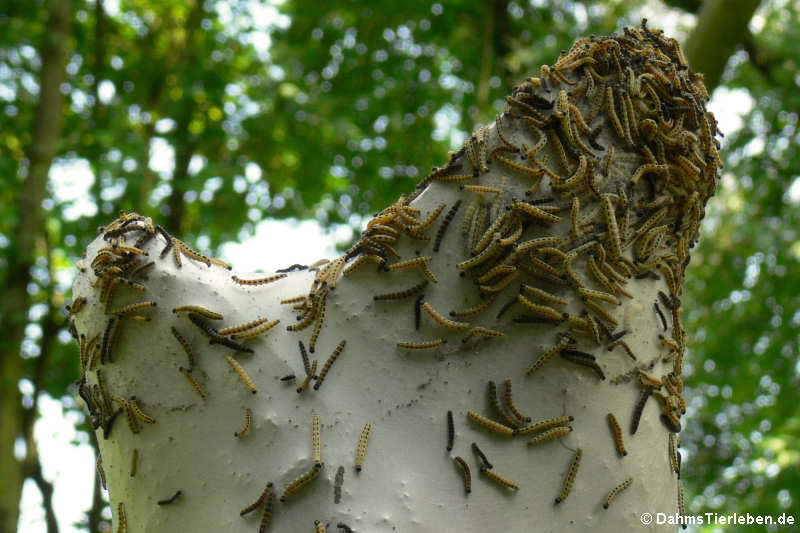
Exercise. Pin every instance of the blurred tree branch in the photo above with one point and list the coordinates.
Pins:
(28, 230)
(721, 26)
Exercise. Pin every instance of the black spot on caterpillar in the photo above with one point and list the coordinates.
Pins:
(570, 479)
(450, 430)
(481, 456)
(616, 490)
(253, 506)
(171, 499)
(464, 472)
(448, 218)
(616, 432)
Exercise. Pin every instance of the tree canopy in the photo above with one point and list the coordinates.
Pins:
(214, 115)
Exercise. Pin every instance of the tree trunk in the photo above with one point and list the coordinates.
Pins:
(583, 322)
(721, 26)
(28, 230)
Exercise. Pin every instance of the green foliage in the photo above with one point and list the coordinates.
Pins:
(742, 299)
(348, 107)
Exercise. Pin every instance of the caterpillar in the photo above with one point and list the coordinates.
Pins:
(482, 257)
(584, 359)
(256, 332)
(422, 226)
(648, 380)
(230, 330)
(549, 435)
(418, 310)
(185, 345)
(475, 309)
(295, 267)
(673, 455)
(248, 418)
(319, 527)
(198, 310)
(310, 375)
(301, 481)
(542, 311)
(500, 480)
(497, 408)
(128, 309)
(545, 424)
(624, 347)
(103, 391)
(135, 460)
(187, 374)
(316, 444)
(481, 456)
(509, 401)
(327, 366)
(660, 315)
(560, 345)
(261, 499)
(671, 421)
(409, 263)
(171, 499)
(105, 346)
(248, 382)
(538, 242)
(448, 218)
(570, 479)
(681, 508)
(138, 412)
(483, 332)
(600, 312)
(599, 295)
(464, 472)
(304, 356)
(399, 295)
(616, 432)
(130, 417)
(616, 490)
(535, 212)
(639, 408)
(441, 320)
(320, 319)
(543, 295)
(122, 522)
(344, 527)
(491, 425)
(258, 281)
(101, 472)
(450, 431)
(421, 345)
(363, 440)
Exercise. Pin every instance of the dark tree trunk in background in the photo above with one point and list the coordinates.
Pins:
(25, 241)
